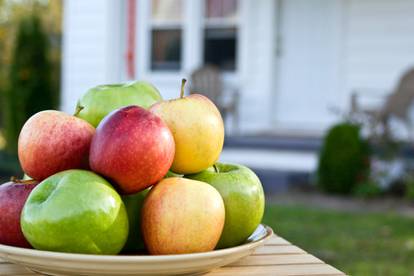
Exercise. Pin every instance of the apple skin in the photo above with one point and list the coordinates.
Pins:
(172, 174)
(198, 131)
(99, 101)
(12, 198)
(243, 198)
(132, 147)
(75, 211)
(182, 216)
(52, 141)
(133, 204)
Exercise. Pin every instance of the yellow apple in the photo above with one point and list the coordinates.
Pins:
(197, 128)
(181, 216)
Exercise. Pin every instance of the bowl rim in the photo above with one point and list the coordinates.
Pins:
(8, 250)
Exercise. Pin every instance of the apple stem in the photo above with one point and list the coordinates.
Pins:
(78, 110)
(183, 81)
(215, 168)
(22, 181)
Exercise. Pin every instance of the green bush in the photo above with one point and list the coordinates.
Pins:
(367, 189)
(30, 84)
(409, 188)
(343, 160)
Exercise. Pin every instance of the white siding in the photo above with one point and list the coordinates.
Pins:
(257, 54)
(380, 44)
(92, 52)
(331, 48)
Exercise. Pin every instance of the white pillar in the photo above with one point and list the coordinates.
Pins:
(256, 57)
(93, 47)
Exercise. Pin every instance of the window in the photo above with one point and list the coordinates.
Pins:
(220, 33)
(217, 28)
(166, 33)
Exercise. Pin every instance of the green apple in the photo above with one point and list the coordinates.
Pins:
(133, 204)
(243, 198)
(172, 174)
(98, 101)
(75, 211)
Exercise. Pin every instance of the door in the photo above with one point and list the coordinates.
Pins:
(308, 64)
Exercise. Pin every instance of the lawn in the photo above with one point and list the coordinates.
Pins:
(356, 243)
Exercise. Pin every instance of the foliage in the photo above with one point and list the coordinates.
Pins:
(409, 192)
(397, 188)
(344, 159)
(404, 186)
(356, 243)
(11, 15)
(409, 187)
(368, 189)
(30, 88)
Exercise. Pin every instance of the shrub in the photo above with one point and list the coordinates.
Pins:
(30, 87)
(344, 159)
(409, 188)
(367, 189)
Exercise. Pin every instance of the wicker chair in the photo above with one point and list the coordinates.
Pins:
(397, 104)
(207, 81)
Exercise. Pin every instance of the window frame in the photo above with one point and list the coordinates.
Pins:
(229, 75)
(192, 50)
(222, 23)
(155, 25)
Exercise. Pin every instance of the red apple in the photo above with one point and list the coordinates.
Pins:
(182, 216)
(132, 147)
(13, 196)
(52, 141)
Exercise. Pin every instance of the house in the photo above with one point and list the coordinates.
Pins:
(292, 61)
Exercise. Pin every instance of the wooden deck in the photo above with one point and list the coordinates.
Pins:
(277, 258)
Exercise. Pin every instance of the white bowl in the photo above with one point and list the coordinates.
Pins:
(55, 263)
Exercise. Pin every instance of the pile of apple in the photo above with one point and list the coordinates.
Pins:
(129, 172)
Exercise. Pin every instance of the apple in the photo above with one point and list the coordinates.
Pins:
(133, 204)
(198, 131)
(13, 195)
(172, 174)
(182, 216)
(243, 198)
(75, 211)
(52, 141)
(132, 147)
(99, 101)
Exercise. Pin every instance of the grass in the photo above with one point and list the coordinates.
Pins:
(356, 243)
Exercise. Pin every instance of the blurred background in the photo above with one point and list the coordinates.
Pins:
(317, 98)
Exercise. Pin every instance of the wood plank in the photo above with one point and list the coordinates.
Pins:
(275, 240)
(277, 257)
(265, 265)
(279, 270)
(12, 269)
(278, 250)
(2, 261)
(277, 260)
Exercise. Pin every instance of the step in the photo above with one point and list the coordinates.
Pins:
(268, 159)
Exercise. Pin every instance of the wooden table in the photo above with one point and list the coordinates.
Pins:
(277, 257)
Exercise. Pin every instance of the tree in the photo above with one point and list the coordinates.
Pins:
(30, 82)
